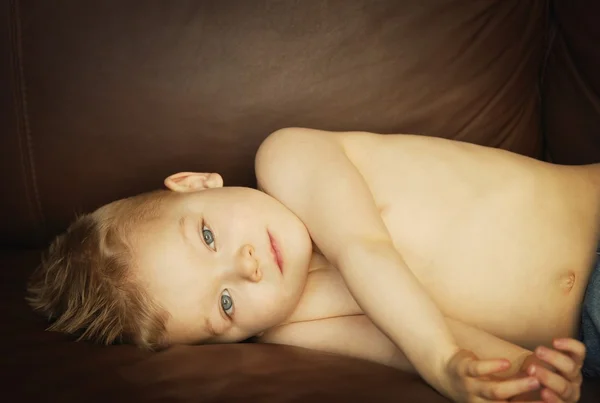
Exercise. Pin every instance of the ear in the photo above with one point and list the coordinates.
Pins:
(184, 182)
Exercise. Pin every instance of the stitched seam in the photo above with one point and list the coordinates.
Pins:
(23, 122)
(18, 103)
(550, 38)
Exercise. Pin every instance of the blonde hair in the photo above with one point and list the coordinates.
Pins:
(85, 284)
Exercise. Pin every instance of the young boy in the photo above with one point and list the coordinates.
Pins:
(407, 250)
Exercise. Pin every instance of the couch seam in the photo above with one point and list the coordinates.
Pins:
(548, 49)
(23, 122)
(550, 39)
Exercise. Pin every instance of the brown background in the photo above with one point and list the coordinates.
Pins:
(101, 100)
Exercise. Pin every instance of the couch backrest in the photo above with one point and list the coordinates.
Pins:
(106, 98)
(572, 83)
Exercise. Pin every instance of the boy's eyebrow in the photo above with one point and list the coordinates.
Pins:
(182, 230)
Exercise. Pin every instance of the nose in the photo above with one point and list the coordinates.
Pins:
(247, 264)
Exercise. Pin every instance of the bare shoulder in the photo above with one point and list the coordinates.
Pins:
(313, 333)
(283, 149)
(311, 173)
(299, 136)
(288, 154)
(353, 336)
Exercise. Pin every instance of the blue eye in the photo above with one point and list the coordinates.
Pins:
(209, 238)
(227, 303)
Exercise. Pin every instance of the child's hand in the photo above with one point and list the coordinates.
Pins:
(563, 382)
(472, 382)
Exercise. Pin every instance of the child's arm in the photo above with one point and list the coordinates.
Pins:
(310, 173)
(356, 336)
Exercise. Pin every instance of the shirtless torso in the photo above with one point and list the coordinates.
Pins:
(499, 241)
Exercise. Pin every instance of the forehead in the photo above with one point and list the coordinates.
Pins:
(172, 275)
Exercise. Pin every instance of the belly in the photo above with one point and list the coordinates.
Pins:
(501, 272)
(499, 241)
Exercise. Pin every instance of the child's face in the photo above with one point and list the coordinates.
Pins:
(209, 260)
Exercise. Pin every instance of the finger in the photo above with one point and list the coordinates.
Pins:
(551, 397)
(478, 368)
(576, 348)
(555, 382)
(502, 390)
(460, 361)
(563, 363)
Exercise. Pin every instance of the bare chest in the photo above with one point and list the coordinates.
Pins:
(495, 238)
(497, 241)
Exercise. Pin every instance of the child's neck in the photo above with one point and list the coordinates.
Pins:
(325, 294)
(316, 250)
(317, 260)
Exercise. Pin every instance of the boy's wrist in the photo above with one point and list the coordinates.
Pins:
(445, 380)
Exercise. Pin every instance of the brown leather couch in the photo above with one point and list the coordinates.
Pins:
(102, 99)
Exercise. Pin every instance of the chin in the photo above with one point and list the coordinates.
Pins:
(303, 251)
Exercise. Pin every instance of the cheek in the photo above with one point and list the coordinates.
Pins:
(240, 220)
(270, 306)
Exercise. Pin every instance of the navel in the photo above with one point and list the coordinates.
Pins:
(567, 281)
(384, 209)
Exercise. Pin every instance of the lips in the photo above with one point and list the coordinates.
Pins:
(276, 252)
